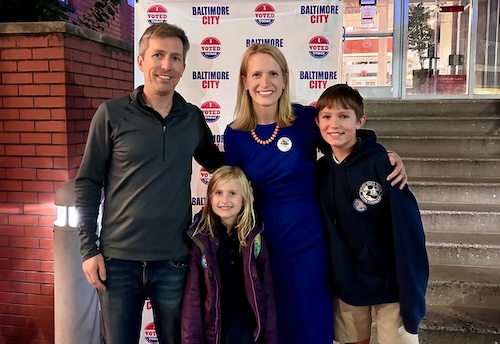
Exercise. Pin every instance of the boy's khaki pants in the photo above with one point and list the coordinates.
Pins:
(354, 323)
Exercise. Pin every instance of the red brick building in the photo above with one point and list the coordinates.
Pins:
(121, 28)
(52, 78)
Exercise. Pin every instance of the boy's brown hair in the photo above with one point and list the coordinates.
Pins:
(344, 96)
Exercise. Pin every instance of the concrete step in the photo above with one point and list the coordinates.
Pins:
(468, 249)
(451, 150)
(456, 191)
(460, 218)
(432, 108)
(452, 167)
(442, 126)
(431, 336)
(463, 145)
(460, 325)
(472, 286)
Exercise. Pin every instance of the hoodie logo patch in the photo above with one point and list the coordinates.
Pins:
(370, 192)
(204, 261)
(257, 245)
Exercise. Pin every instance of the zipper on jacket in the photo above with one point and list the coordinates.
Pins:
(217, 321)
(218, 327)
(254, 293)
(164, 142)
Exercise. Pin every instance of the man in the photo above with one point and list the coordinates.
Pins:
(139, 152)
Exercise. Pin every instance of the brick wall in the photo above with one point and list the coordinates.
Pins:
(121, 27)
(52, 78)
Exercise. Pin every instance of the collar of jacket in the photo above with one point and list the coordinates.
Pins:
(364, 136)
(178, 101)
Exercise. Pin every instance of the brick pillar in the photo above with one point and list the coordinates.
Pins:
(52, 78)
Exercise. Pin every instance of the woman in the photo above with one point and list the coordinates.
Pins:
(275, 144)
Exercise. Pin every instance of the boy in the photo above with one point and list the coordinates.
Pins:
(377, 239)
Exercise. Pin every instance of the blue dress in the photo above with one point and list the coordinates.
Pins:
(283, 179)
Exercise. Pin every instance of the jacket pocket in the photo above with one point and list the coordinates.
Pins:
(368, 271)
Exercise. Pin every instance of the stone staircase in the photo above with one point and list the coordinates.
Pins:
(451, 150)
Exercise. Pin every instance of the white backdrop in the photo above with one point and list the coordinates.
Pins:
(308, 32)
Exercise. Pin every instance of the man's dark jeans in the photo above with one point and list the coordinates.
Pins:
(128, 284)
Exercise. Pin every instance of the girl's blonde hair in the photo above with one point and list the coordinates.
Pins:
(244, 114)
(245, 220)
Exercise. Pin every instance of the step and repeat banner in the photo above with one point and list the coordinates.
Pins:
(309, 33)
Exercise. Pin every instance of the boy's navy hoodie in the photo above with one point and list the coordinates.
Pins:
(376, 234)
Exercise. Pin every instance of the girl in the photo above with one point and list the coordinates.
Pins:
(228, 297)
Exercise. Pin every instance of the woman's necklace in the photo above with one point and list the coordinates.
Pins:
(269, 140)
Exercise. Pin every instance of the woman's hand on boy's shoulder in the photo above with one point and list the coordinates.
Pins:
(398, 175)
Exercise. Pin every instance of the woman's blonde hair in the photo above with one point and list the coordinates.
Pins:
(244, 114)
(245, 220)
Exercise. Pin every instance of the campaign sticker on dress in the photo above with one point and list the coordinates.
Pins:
(284, 144)
(359, 206)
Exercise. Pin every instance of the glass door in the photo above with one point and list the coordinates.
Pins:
(423, 49)
(438, 49)
(487, 49)
(372, 49)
